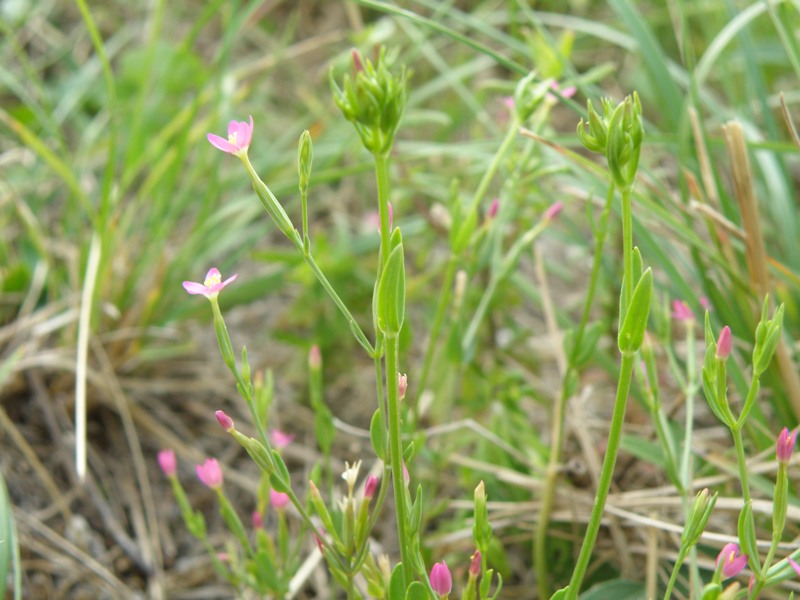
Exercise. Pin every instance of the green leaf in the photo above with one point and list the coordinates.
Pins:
(618, 589)
(397, 584)
(392, 294)
(377, 435)
(747, 537)
(417, 591)
(631, 334)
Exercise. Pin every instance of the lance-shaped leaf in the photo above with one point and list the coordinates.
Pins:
(391, 302)
(631, 333)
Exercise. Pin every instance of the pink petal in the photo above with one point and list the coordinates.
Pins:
(195, 288)
(212, 272)
(246, 135)
(221, 143)
(233, 127)
(795, 566)
(228, 280)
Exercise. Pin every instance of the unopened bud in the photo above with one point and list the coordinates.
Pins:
(370, 487)
(402, 385)
(314, 358)
(224, 420)
(475, 564)
(553, 211)
(724, 343)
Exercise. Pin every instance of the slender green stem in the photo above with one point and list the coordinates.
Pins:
(489, 174)
(382, 179)
(606, 475)
(738, 443)
(627, 250)
(354, 326)
(674, 576)
(304, 206)
(396, 452)
(557, 438)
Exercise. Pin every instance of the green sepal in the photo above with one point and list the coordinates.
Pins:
(377, 435)
(415, 514)
(283, 471)
(408, 452)
(780, 503)
(392, 294)
(711, 591)
(631, 334)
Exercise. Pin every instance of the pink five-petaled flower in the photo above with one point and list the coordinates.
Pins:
(240, 134)
(724, 343)
(279, 500)
(212, 285)
(681, 311)
(210, 473)
(167, 462)
(785, 445)
(733, 561)
(280, 439)
(441, 580)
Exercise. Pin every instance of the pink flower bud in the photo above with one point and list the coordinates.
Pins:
(406, 476)
(402, 385)
(794, 565)
(491, 213)
(258, 520)
(357, 61)
(733, 561)
(785, 445)
(441, 580)
(314, 358)
(279, 500)
(475, 564)
(724, 343)
(370, 487)
(167, 462)
(279, 439)
(210, 473)
(553, 211)
(391, 215)
(224, 420)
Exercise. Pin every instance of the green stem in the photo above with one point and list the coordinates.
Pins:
(382, 179)
(606, 475)
(304, 207)
(738, 443)
(396, 452)
(674, 576)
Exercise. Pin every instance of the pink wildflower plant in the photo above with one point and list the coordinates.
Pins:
(210, 473)
(211, 286)
(240, 134)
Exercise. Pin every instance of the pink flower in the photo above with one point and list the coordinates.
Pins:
(278, 499)
(240, 134)
(567, 92)
(357, 61)
(724, 343)
(167, 462)
(210, 473)
(370, 487)
(785, 445)
(508, 102)
(212, 285)
(681, 311)
(279, 439)
(795, 566)
(733, 561)
(224, 420)
(441, 580)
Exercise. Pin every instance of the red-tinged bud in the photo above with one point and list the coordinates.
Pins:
(785, 445)
(314, 358)
(224, 420)
(167, 462)
(258, 520)
(391, 214)
(681, 311)
(724, 343)
(493, 208)
(475, 564)
(357, 61)
(402, 385)
(553, 211)
(320, 545)
(370, 487)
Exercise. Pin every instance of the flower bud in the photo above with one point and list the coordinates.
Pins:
(224, 420)
(402, 385)
(724, 343)
(785, 445)
(279, 500)
(370, 487)
(167, 462)
(441, 579)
